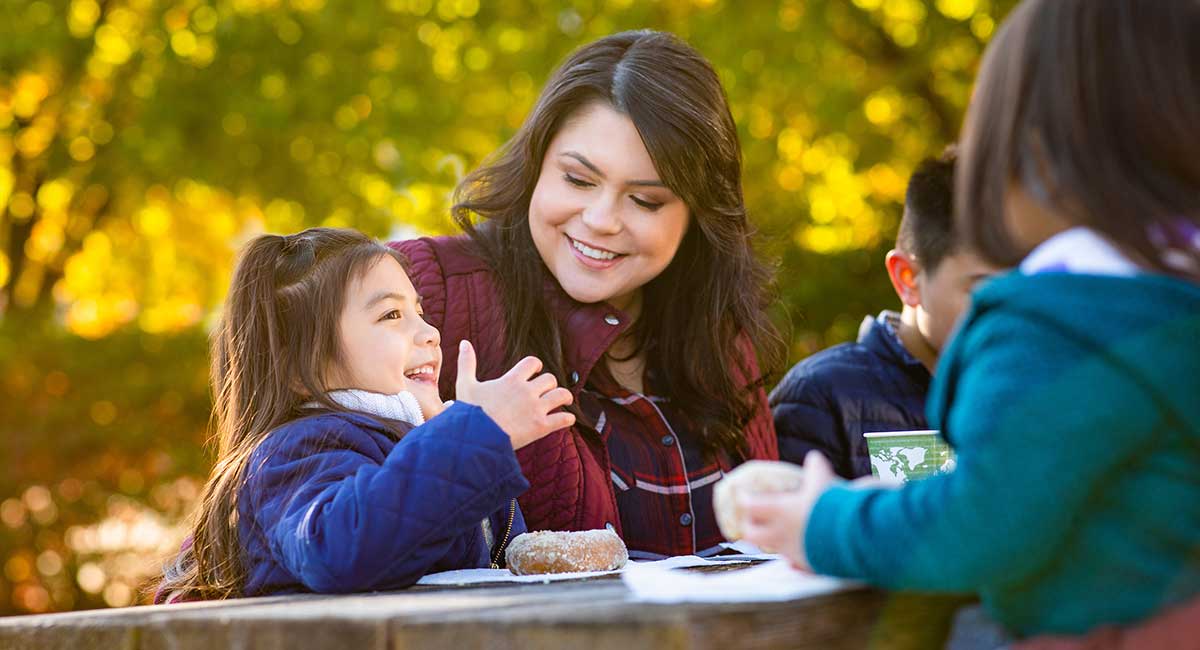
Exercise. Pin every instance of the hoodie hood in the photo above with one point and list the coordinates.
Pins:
(1146, 325)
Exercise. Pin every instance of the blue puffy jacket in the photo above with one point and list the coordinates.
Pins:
(333, 503)
(827, 401)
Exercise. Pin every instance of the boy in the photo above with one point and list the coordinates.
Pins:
(878, 383)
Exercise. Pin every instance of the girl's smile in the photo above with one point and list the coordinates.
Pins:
(386, 345)
(426, 373)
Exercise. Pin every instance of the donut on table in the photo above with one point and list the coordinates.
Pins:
(565, 552)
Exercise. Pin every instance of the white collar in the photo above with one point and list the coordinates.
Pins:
(402, 406)
(1078, 250)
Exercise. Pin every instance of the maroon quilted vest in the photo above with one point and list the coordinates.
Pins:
(568, 470)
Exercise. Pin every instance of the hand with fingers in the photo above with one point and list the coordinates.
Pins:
(525, 406)
(776, 522)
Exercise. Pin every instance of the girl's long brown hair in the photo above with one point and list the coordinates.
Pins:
(277, 338)
(713, 291)
(1093, 108)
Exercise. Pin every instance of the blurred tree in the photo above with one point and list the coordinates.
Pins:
(141, 141)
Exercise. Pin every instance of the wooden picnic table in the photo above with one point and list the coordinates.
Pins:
(590, 614)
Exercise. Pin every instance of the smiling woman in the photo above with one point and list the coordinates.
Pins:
(609, 238)
(601, 220)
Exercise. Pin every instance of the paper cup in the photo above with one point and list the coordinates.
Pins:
(901, 456)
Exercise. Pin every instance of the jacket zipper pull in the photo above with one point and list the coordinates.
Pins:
(512, 515)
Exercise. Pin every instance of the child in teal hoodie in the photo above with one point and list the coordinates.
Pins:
(1071, 392)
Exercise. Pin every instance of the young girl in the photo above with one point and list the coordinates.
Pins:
(339, 467)
(1072, 390)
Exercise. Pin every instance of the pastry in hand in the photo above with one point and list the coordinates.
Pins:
(751, 476)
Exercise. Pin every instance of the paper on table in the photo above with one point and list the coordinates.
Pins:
(742, 546)
(775, 580)
(483, 576)
(746, 551)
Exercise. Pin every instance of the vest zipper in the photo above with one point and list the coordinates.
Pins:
(512, 515)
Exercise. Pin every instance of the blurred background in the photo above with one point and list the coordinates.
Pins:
(143, 141)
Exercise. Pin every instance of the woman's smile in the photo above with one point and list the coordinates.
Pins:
(593, 257)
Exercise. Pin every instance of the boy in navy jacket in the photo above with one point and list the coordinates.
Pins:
(878, 383)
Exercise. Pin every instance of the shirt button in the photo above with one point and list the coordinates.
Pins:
(574, 377)
(612, 320)
(668, 440)
(685, 519)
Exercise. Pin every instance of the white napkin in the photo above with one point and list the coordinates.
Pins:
(774, 580)
(483, 576)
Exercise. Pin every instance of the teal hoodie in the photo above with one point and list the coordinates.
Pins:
(1073, 403)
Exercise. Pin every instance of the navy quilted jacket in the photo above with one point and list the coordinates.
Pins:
(827, 401)
(332, 503)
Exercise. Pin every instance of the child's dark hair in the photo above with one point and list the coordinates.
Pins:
(1092, 108)
(276, 340)
(927, 227)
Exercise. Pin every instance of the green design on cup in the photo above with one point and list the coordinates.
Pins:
(908, 455)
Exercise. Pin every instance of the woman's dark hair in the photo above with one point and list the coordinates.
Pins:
(276, 340)
(714, 290)
(1091, 107)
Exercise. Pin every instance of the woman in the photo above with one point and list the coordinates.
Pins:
(613, 244)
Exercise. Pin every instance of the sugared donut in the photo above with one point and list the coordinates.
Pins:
(565, 552)
(751, 476)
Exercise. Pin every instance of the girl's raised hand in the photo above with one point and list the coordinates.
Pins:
(522, 404)
(776, 522)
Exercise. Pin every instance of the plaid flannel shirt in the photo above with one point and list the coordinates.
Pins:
(662, 477)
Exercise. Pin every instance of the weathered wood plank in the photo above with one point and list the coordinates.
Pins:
(834, 621)
(264, 634)
(586, 615)
(52, 636)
